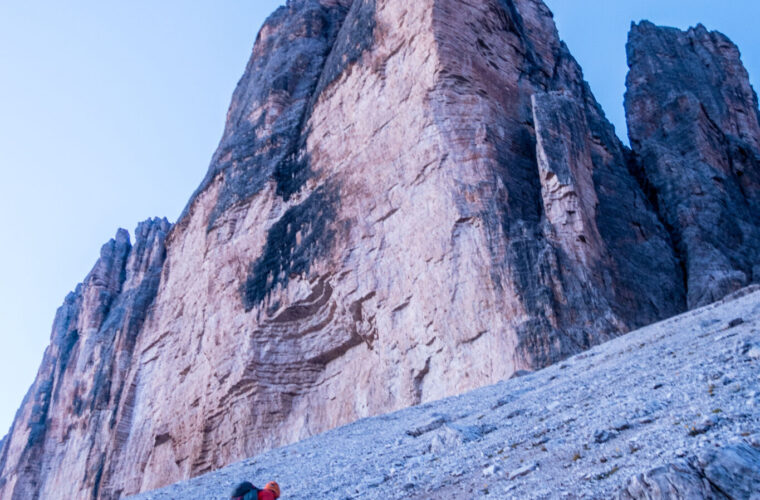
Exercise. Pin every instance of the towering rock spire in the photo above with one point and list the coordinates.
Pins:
(694, 125)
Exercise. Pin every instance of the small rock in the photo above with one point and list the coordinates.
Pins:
(751, 350)
(754, 352)
(371, 482)
(491, 470)
(515, 413)
(604, 435)
(430, 425)
(451, 436)
(704, 425)
(754, 440)
(621, 425)
(678, 480)
(523, 471)
(634, 446)
(735, 322)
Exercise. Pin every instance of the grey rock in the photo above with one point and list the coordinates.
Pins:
(732, 472)
(678, 481)
(521, 373)
(621, 425)
(750, 349)
(703, 425)
(735, 322)
(693, 124)
(430, 425)
(452, 435)
(602, 436)
(522, 471)
(492, 470)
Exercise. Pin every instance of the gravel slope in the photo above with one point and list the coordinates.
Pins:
(578, 429)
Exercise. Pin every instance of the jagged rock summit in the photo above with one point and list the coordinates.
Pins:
(410, 200)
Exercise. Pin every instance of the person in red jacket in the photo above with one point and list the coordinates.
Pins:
(247, 491)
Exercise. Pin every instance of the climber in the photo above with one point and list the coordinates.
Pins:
(247, 491)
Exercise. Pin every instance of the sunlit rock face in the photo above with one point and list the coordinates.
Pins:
(410, 200)
(694, 124)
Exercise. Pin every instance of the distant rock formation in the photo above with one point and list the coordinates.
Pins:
(694, 124)
(71, 421)
(410, 200)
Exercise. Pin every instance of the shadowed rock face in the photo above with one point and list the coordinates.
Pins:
(410, 200)
(693, 123)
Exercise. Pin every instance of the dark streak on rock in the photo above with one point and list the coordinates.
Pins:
(303, 234)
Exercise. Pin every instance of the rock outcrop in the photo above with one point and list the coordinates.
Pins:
(410, 200)
(694, 124)
(73, 408)
(723, 474)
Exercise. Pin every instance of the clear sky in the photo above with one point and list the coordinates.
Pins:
(110, 111)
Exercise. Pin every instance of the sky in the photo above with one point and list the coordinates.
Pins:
(110, 112)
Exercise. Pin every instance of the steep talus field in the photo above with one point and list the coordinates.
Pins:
(674, 404)
(410, 200)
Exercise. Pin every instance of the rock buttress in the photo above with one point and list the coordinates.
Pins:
(693, 124)
(64, 432)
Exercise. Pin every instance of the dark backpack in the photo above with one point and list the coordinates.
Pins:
(252, 495)
(251, 492)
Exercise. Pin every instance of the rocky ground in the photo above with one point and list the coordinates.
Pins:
(673, 404)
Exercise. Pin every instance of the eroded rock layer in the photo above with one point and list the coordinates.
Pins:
(410, 200)
(693, 122)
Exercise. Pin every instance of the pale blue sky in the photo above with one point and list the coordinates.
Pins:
(110, 111)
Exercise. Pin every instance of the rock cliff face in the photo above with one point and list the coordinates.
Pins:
(410, 199)
(58, 441)
(694, 124)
